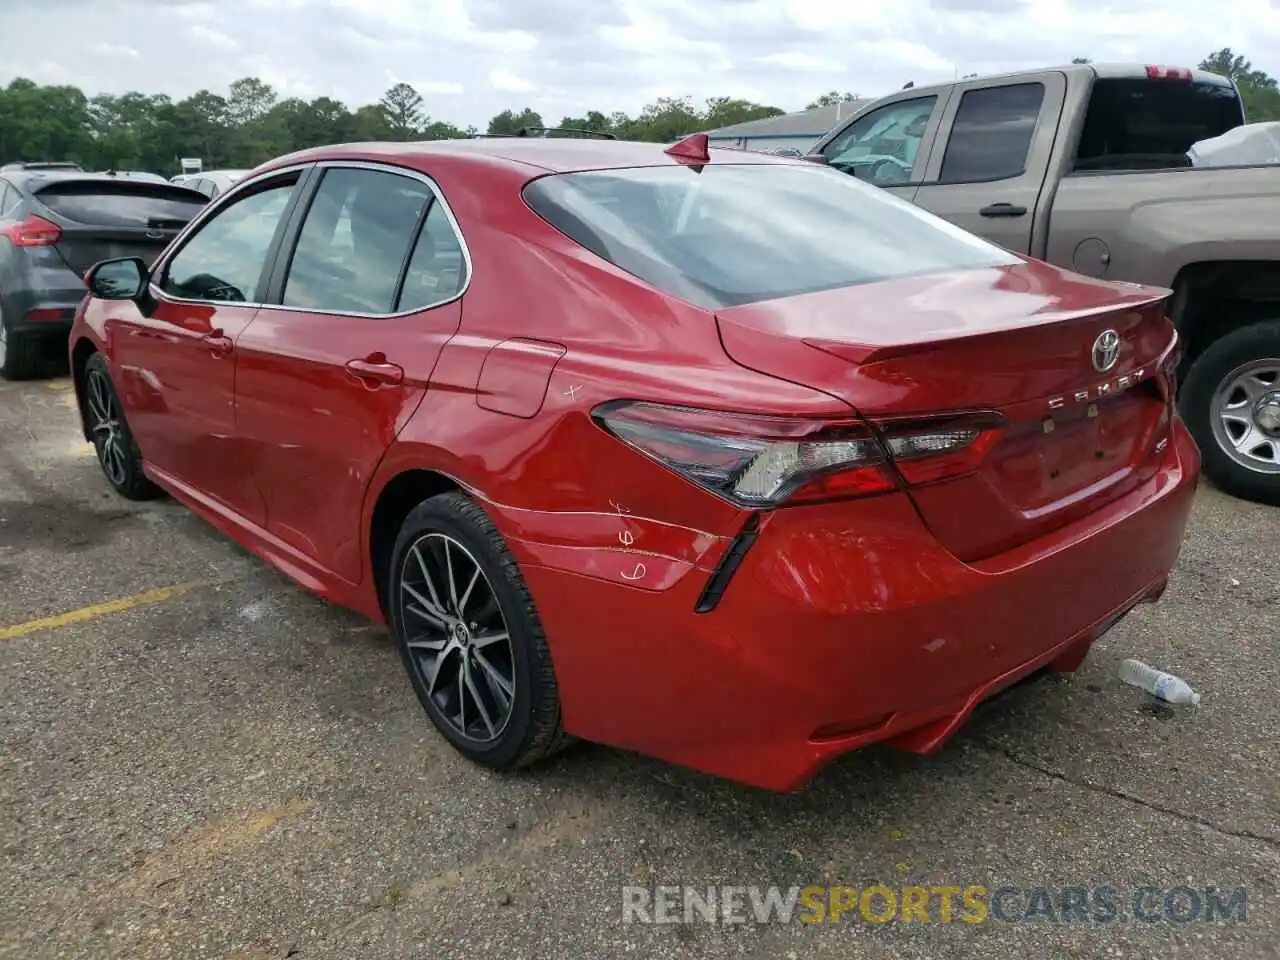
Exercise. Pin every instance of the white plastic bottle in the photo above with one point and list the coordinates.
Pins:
(1166, 686)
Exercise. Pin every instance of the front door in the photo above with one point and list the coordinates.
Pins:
(329, 375)
(176, 362)
(888, 146)
(988, 169)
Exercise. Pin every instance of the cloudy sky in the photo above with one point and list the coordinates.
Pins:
(472, 58)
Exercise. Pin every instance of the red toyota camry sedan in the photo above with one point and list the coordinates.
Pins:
(725, 458)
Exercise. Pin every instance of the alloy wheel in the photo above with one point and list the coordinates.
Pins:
(105, 424)
(4, 342)
(457, 637)
(1246, 415)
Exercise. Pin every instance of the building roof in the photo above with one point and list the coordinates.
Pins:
(806, 123)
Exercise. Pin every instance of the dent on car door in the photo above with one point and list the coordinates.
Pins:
(177, 360)
(888, 146)
(987, 172)
(332, 370)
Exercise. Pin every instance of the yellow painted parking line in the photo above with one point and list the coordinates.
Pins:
(96, 610)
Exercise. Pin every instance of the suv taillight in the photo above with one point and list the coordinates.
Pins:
(32, 232)
(759, 461)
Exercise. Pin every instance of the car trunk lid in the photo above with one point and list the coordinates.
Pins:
(1018, 342)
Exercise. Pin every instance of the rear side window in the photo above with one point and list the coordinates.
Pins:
(120, 203)
(1141, 124)
(8, 198)
(735, 234)
(437, 270)
(992, 133)
(355, 241)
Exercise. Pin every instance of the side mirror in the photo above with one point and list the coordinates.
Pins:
(122, 279)
(819, 158)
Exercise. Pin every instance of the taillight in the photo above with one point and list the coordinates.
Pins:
(32, 232)
(1169, 73)
(763, 461)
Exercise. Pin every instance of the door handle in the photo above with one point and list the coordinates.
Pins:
(375, 370)
(219, 343)
(1003, 210)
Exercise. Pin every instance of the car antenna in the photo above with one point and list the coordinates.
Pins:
(695, 150)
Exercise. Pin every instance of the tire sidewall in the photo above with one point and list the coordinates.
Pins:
(438, 516)
(97, 366)
(1195, 404)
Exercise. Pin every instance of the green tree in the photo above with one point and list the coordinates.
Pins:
(403, 108)
(723, 111)
(831, 99)
(1258, 89)
(509, 122)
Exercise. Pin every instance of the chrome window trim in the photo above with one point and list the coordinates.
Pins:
(375, 166)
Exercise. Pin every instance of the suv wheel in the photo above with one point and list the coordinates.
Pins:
(1231, 404)
(19, 356)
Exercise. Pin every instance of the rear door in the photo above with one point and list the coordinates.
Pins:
(331, 371)
(889, 146)
(987, 171)
(104, 217)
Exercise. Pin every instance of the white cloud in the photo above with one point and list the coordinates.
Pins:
(470, 59)
(502, 79)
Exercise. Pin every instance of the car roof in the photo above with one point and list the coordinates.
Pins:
(546, 154)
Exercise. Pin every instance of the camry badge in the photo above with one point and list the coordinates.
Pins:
(1106, 350)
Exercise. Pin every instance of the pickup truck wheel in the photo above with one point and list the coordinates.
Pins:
(1231, 404)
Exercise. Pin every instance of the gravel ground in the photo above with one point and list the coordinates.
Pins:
(236, 769)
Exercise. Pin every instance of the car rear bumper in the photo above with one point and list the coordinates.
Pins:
(847, 625)
(43, 313)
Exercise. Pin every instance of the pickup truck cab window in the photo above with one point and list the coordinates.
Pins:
(1137, 124)
(883, 146)
(992, 133)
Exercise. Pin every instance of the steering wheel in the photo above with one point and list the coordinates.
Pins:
(890, 172)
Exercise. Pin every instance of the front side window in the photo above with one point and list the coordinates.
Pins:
(224, 260)
(355, 240)
(734, 234)
(882, 146)
(992, 132)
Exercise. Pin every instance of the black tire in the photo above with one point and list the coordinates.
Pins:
(1208, 372)
(532, 730)
(23, 355)
(123, 472)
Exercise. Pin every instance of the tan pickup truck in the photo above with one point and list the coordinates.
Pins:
(1086, 167)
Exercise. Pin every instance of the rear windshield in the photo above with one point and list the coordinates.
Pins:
(1140, 124)
(735, 234)
(121, 203)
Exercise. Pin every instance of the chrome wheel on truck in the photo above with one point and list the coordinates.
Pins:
(1246, 415)
(1231, 403)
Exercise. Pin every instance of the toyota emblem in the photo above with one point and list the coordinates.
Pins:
(1106, 350)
